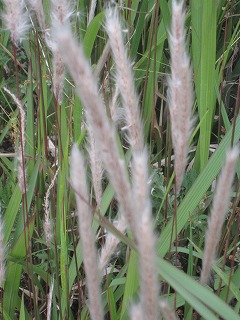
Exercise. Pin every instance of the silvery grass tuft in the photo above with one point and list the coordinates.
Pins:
(38, 8)
(79, 183)
(111, 242)
(15, 19)
(136, 312)
(104, 134)
(60, 15)
(180, 91)
(49, 301)
(61, 11)
(96, 168)
(125, 80)
(168, 314)
(143, 229)
(218, 212)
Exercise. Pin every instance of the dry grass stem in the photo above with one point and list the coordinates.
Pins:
(79, 183)
(102, 60)
(218, 212)
(180, 91)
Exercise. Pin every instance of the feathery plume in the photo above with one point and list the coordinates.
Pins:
(180, 92)
(136, 312)
(60, 15)
(20, 172)
(149, 283)
(38, 8)
(125, 80)
(218, 212)
(15, 19)
(60, 12)
(47, 223)
(166, 311)
(111, 243)
(2, 253)
(49, 302)
(20, 152)
(113, 105)
(149, 288)
(58, 76)
(96, 168)
(97, 119)
(79, 183)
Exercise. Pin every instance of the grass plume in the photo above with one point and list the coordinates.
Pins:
(180, 91)
(79, 183)
(104, 134)
(218, 212)
(16, 19)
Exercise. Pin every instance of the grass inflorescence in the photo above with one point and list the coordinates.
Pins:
(114, 202)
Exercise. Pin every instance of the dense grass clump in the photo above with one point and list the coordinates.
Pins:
(119, 159)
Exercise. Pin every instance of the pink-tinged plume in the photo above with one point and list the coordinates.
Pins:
(180, 92)
(218, 212)
(79, 183)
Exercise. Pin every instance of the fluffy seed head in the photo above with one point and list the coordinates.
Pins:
(166, 310)
(79, 183)
(60, 12)
(180, 91)
(15, 19)
(218, 212)
(38, 8)
(125, 80)
(86, 86)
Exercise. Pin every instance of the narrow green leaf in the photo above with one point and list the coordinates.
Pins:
(198, 190)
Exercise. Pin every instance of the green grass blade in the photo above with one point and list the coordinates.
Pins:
(206, 97)
(198, 190)
(199, 297)
(131, 284)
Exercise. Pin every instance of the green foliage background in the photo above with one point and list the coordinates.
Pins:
(213, 33)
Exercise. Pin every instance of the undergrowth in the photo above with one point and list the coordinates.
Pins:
(41, 250)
